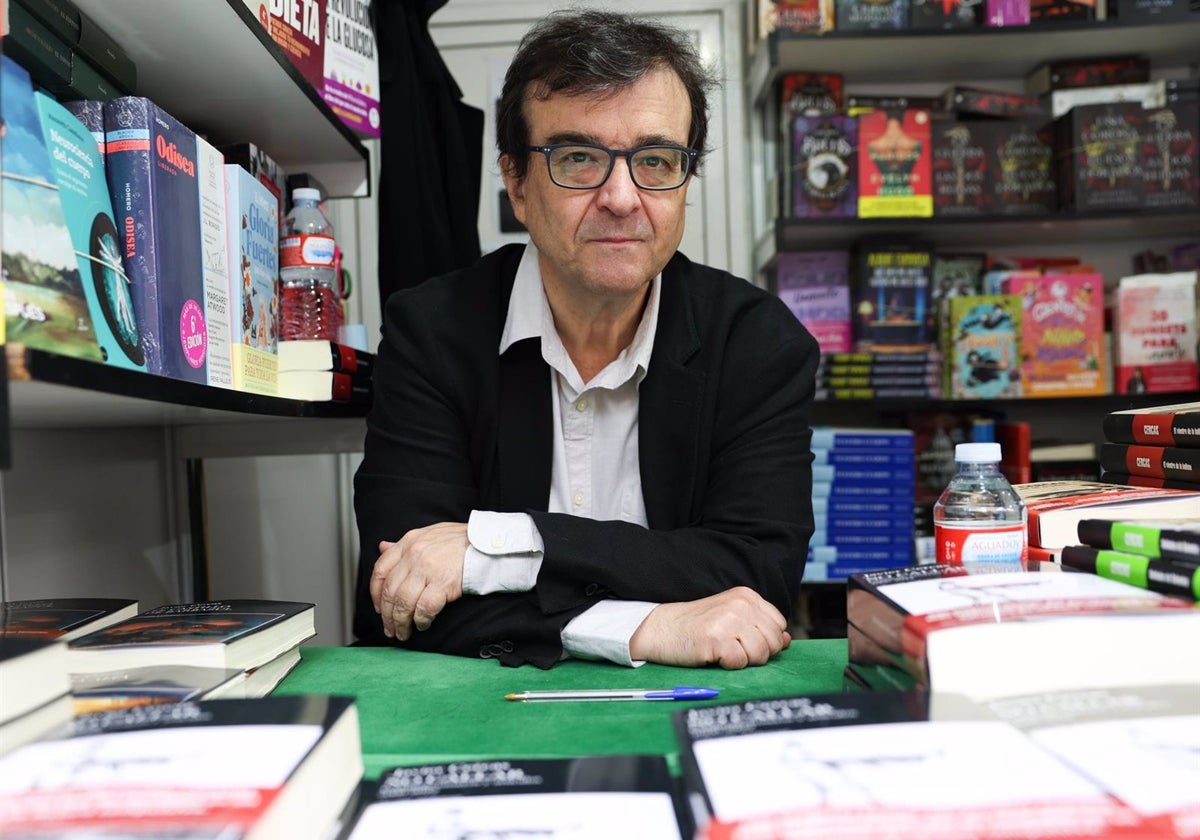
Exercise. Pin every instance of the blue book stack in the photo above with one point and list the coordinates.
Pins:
(863, 487)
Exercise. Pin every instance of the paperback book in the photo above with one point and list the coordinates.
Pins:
(894, 163)
(890, 296)
(815, 286)
(823, 171)
(1160, 425)
(1164, 576)
(252, 249)
(1055, 508)
(1167, 539)
(63, 618)
(33, 672)
(325, 386)
(1062, 334)
(983, 342)
(961, 168)
(1154, 334)
(1173, 462)
(316, 354)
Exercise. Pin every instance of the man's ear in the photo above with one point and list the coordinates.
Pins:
(514, 186)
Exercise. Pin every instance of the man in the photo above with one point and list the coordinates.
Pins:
(590, 446)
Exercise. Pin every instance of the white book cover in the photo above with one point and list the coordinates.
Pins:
(210, 179)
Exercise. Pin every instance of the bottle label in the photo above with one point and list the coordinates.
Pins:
(967, 544)
(311, 250)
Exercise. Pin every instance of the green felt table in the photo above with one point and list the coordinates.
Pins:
(421, 707)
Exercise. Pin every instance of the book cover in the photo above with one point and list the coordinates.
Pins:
(1062, 334)
(1159, 425)
(946, 14)
(63, 618)
(299, 30)
(823, 170)
(1154, 334)
(1143, 572)
(860, 15)
(1173, 462)
(815, 285)
(809, 94)
(90, 112)
(151, 162)
(103, 51)
(629, 795)
(1054, 508)
(977, 102)
(45, 305)
(1092, 71)
(316, 354)
(1023, 172)
(858, 438)
(324, 386)
(984, 338)
(210, 184)
(255, 160)
(894, 164)
(961, 169)
(1099, 156)
(252, 246)
(240, 633)
(37, 48)
(351, 66)
(1171, 156)
(263, 768)
(956, 274)
(1177, 540)
(129, 687)
(83, 190)
(794, 16)
(890, 294)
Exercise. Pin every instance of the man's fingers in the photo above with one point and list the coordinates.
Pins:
(428, 606)
(383, 567)
(399, 603)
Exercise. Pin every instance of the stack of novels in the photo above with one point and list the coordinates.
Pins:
(863, 484)
(879, 374)
(312, 369)
(999, 634)
(1155, 446)
(1162, 555)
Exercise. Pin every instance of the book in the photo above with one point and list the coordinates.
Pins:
(37, 48)
(253, 769)
(793, 16)
(890, 293)
(45, 306)
(1062, 334)
(983, 343)
(815, 285)
(252, 252)
(1168, 539)
(960, 168)
(894, 160)
(899, 764)
(1147, 481)
(150, 685)
(83, 191)
(1169, 462)
(1154, 334)
(316, 354)
(1055, 508)
(211, 192)
(1171, 155)
(858, 15)
(1092, 71)
(240, 633)
(1023, 175)
(629, 795)
(1144, 572)
(350, 83)
(33, 672)
(990, 635)
(324, 385)
(1159, 425)
(151, 161)
(63, 618)
(822, 172)
(49, 720)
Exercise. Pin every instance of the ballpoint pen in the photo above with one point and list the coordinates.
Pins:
(679, 692)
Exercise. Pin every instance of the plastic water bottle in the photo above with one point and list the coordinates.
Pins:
(310, 305)
(979, 521)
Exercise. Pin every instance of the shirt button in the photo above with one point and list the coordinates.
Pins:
(581, 405)
(578, 500)
(498, 541)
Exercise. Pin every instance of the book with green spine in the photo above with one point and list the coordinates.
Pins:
(1143, 572)
(1168, 539)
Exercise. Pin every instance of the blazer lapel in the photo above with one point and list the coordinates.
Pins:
(669, 402)
(525, 441)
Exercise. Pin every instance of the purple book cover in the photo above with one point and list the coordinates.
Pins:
(824, 157)
(815, 286)
(1008, 12)
(151, 162)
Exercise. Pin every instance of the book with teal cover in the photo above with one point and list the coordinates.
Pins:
(79, 170)
(44, 302)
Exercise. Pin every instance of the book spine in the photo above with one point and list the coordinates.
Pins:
(1156, 461)
(1142, 538)
(1143, 572)
(106, 54)
(1154, 428)
(826, 437)
(127, 136)
(210, 179)
(1147, 481)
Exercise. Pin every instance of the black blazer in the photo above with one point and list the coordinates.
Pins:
(724, 443)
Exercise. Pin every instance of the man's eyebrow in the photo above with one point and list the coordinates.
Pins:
(592, 140)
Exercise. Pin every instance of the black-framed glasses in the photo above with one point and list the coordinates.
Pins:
(580, 166)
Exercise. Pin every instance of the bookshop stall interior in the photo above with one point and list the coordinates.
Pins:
(987, 213)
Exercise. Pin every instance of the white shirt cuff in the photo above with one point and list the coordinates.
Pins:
(604, 631)
(504, 553)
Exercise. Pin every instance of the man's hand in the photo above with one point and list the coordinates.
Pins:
(733, 629)
(416, 577)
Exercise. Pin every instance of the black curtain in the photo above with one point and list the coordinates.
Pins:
(431, 154)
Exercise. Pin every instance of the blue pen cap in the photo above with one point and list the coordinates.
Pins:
(683, 692)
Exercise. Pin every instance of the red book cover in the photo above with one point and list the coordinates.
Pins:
(1054, 508)
(1160, 425)
(895, 164)
(1173, 462)
(299, 30)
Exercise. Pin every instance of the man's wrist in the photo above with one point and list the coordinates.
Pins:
(504, 553)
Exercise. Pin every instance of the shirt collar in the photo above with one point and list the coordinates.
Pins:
(529, 316)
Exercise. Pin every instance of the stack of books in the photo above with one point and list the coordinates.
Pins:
(1156, 446)
(1162, 555)
(863, 486)
(319, 370)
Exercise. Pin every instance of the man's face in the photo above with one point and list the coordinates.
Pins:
(612, 240)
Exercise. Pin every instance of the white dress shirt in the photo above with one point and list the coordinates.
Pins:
(595, 467)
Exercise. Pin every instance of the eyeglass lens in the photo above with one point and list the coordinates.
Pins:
(651, 167)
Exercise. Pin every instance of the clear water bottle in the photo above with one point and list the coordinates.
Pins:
(979, 521)
(310, 304)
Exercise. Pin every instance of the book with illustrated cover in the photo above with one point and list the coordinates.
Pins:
(1171, 156)
(63, 618)
(252, 248)
(961, 169)
(1159, 425)
(890, 294)
(983, 342)
(240, 633)
(210, 188)
(1173, 462)
(1022, 160)
(1164, 576)
(946, 14)
(629, 795)
(794, 16)
(995, 634)
(822, 172)
(318, 354)
(1154, 334)
(45, 306)
(894, 163)
(1167, 539)
(151, 162)
(325, 386)
(257, 769)
(899, 764)
(1062, 334)
(815, 285)
(1055, 508)
(299, 31)
(83, 190)
(859, 15)
(351, 68)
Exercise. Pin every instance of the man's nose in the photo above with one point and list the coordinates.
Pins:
(619, 194)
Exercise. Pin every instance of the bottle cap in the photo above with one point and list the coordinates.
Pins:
(306, 194)
(977, 453)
